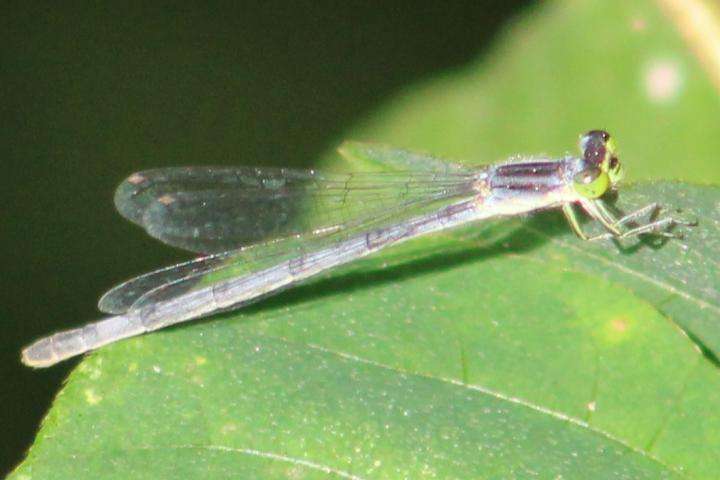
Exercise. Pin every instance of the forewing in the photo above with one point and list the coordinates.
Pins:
(215, 209)
(373, 201)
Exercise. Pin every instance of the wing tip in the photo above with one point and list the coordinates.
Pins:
(125, 198)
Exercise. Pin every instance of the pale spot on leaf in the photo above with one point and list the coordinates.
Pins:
(228, 428)
(91, 397)
(619, 325)
(638, 24)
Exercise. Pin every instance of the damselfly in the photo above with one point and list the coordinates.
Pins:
(263, 229)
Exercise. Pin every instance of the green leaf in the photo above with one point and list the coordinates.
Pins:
(494, 355)
(680, 278)
(508, 349)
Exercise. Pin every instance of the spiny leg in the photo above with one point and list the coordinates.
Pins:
(660, 226)
(598, 212)
(637, 214)
(572, 219)
(642, 212)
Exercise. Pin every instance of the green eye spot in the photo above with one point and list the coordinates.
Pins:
(591, 183)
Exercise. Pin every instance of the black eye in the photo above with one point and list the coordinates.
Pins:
(613, 163)
(595, 153)
(594, 146)
(605, 136)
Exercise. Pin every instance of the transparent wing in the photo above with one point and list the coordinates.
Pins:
(396, 159)
(215, 209)
(329, 207)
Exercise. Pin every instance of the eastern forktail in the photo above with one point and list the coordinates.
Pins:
(245, 220)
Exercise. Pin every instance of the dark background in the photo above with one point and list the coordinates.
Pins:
(91, 92)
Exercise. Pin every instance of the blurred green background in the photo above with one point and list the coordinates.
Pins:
(91, 92)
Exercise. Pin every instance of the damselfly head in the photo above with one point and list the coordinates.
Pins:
(602, 170)
(599, 151)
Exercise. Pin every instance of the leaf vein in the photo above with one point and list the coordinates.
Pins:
(495, 394)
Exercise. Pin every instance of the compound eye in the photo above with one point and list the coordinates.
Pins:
(602, 134)
(594, 146)
(592, 183)
(587, 177)
(595, 153)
